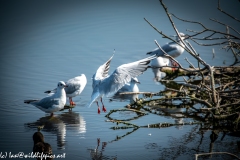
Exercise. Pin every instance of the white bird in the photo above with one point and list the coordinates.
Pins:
(107, 85)
(75, 87)
(129, 87)
(172, 49)
(52, 103)
(155, 64)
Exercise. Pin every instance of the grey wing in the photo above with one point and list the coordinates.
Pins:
(72, 87)
(167, 48)
(156, 51)
(114, 82)
(47, 102)
(122, 75)
(125, 88)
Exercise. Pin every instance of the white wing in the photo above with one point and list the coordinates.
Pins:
(109, 85)
(123, 75)
(102, 71)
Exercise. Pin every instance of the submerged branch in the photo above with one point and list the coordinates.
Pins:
(204, 154)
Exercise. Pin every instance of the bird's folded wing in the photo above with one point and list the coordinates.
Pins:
(167, 48)
(47, 102)
(72, 87)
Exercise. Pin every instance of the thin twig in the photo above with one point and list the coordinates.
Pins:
(204, 154)
(225, 25)
(167, 55)
(226, 12)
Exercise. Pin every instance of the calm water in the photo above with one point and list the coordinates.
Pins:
(42, 43)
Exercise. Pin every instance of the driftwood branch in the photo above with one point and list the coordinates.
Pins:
(204, 154)
(226, 12)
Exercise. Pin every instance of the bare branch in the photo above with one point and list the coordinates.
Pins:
(225, 25)
(186, 46)
(226, 12)
(167, 55)
(205, 28)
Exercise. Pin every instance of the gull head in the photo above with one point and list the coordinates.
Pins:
(135, 80)
(61, 84)
(182, 35)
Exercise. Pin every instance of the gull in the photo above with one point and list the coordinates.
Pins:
(129, 87)
(172, 49)
(75, 87)
(155, 64)
(52, 103)
(107, 85)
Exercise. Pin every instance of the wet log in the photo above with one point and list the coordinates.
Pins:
(218, 71)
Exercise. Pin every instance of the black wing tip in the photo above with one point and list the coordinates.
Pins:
(145, 62)
(29, 101)
(148, 52)
(47, 92)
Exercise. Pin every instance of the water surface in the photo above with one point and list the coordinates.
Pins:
(42, 43)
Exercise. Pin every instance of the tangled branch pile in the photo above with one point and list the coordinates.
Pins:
(216, 88)
(209, 94)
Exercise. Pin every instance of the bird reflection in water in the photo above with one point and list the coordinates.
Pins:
(57, 125)
(176, 114)
(40, 147)
(97, 153)
(74, 120)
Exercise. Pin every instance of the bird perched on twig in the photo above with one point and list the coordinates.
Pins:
(172, 49)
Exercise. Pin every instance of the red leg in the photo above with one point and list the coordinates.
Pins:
(103, 107)
(174, 64)
(71, 101)
(99, 111)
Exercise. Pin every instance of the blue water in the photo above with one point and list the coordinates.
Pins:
(44, 42)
